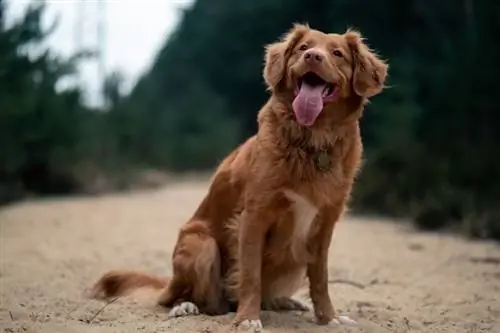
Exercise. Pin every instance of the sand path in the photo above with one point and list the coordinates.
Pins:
(51, 251)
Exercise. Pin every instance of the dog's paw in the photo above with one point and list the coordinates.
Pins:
(342, 320)
(254, 326)
(184, 309)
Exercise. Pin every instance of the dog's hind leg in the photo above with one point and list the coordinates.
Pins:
(196, 286)
(285, 304)
(281, 287)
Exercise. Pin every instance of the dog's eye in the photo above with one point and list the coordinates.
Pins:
(303, 47)
(337, 53)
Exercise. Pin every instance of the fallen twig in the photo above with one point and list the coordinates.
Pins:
(102, 309)
(349, 282)
(11, 316)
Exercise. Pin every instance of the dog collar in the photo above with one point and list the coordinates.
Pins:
(322, 157)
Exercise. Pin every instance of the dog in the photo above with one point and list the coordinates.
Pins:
(265, 226)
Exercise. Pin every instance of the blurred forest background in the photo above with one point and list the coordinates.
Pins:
(430, 138)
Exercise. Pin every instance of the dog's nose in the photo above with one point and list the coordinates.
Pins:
(313, 56)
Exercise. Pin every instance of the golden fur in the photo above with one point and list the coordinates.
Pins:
(267, 220)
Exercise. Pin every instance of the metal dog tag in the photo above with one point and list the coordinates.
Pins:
(323, 161)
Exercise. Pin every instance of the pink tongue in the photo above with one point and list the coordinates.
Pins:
(308, 104)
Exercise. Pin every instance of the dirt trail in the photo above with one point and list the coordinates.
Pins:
(51, 251)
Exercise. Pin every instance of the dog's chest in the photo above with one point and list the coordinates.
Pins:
(304, 214)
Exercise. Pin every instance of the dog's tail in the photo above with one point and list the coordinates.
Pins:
(121, 283)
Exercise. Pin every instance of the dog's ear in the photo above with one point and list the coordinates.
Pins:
(370, 71)
(277, 54)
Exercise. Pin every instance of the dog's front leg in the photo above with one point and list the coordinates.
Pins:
(258, 216)
(250, 266)
(317, 270)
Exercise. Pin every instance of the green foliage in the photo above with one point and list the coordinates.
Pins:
(430, 138)
(40, 128)
(447, 174)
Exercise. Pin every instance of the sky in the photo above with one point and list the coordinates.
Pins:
(135, 30)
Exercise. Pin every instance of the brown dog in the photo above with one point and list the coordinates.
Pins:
(268, 218)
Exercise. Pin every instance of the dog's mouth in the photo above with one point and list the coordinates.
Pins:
(315, 81)
(311, 93)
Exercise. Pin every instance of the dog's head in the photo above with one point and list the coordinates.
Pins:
(320, 69)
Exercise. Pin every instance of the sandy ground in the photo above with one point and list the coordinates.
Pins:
(51, 251)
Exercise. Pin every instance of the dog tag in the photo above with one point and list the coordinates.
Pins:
(323, 161)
